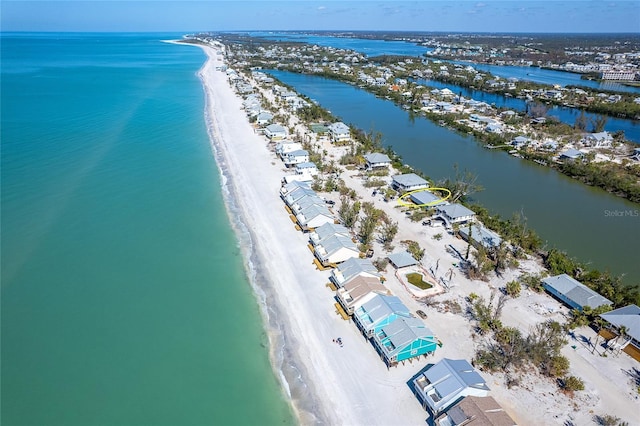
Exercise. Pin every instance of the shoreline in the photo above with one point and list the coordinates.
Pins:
(289, 375)
(327, 384)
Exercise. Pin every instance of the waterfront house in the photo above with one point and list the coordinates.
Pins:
(476, 411)
(335, 249)
(284, 148)
(294, 193)
(480, 236)
(447, 382)
(520, 142)
(598, 140)
(307, 168)
(404, 339)
(402, 259)
(306, 201)
(339, 132)
(313, 216)
(291, 187)
(358, 291)
(426, 199)
(494, 127)
(455, 214)
(379, 311)
(275, 132)
(264, 118)
(296, 157)
(377, 160)
(408, 182)
(573, 293)
(327, 230)
(571, 154)
(628, 317)
(351, 268)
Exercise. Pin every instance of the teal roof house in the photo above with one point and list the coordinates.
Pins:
(378, 312)
(404, 339)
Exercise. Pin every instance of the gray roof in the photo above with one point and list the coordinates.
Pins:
(331, 229)
(402, 259)
(628, 316)
(450, 376)
(482, 235)
(312, 212)
(275, 128)
(335, 242)
(572, 153)
(455, 211)
(380, 307)
(265, 116)
(425, 197)
(299, 193)
(306, 165)
(377, 157)
(576, 291)
(298, 153)
(339, 127)
(403, 331)
(353, 267)
(309, 200)
(410, 179)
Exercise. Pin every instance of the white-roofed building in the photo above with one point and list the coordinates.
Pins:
(314, 216)
(298, 156)
(275, 132)
(335, 249)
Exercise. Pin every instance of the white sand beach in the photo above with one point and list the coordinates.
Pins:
(351, 385)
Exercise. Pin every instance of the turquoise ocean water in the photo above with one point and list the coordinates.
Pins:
(124, 297)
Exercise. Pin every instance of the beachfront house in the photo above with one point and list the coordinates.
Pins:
(298, 156)
(629, 318)
(377, 160)
(326, 230)
(339, 132)
(306, 201)
(476, 411)
(297, 193)
(377, 312)
(480, 236)
(264, 118)
(275, 132)
(447, 382)
(285, 147)
(408, 182)
(573, 293)
(307, 168)
(358, 291)
(313, 216)
(352, 268)
(404, 339)
(455, 214)
(402, 259)
(335, 249)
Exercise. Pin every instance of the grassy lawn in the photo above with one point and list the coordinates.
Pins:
(416, 279)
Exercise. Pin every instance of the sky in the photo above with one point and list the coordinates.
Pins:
(563, 16)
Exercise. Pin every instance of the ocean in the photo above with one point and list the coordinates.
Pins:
(125, 299)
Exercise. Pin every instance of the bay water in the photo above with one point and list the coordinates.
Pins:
(125, 299)
(590, 224)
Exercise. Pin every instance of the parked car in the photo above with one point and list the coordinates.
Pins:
(421, 314)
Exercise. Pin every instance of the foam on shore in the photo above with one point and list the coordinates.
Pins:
(285, 362)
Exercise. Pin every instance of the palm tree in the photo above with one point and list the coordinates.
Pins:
(599, 323)
(622, 334)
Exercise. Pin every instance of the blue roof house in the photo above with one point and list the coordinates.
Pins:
(404, 339)
(379, 311)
